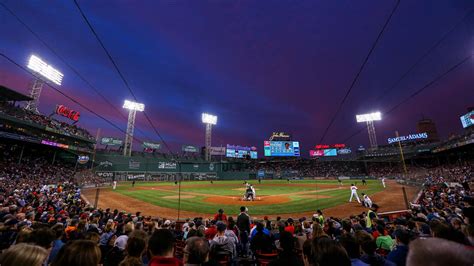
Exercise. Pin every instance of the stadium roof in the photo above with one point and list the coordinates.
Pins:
(11, 95)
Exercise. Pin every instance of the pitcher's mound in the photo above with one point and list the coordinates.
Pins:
(239, 201)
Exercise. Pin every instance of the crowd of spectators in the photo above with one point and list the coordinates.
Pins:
(44, 221)
(9, 109)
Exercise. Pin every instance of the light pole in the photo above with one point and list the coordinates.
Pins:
(209, 120)
(41, 69)
(369, 119)
(132, 107)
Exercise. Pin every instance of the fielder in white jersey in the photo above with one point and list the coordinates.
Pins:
(383, 182)
(354, 193)
(114, 185)
(367, 201)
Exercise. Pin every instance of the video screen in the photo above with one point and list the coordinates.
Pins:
(467, 120)
(281, 148)
(233, 153)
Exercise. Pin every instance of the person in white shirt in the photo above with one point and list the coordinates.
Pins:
(114, 185)
(383, 182)
(354, 193)
(367, 202)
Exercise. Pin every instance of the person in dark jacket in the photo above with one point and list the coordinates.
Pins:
(399, 254)
(288, 256)
(261, 241)
(243, 224)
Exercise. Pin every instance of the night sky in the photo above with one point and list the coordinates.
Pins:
(261, 66)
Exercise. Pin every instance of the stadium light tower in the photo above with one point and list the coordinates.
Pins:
(369, 119)
(41, 69)
(132, 107)
(209, 120)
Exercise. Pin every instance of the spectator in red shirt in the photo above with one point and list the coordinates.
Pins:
(289, 226)
(211, 232)
(220, 216)
(161, 249)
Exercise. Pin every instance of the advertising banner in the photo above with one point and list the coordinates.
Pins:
(66, 112)
(105, 174)
(140, 177)
(82, 159)
(410, 137)
(133, 164)
(150, 145)
(167, 165)
(109, 141)
(217, 151)
(190, 148)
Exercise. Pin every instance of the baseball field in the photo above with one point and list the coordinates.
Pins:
(273, 198)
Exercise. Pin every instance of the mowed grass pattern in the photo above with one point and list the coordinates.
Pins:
(156, 192)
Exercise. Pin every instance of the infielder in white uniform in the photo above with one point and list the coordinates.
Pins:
(383, 182)
(354, 193)
(114, 185)
(367, 201)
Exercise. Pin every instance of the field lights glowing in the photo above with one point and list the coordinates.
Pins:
(209, 119)
(133, 106)
(369, 117)
(39, 66)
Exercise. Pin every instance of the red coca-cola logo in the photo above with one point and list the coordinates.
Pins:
(66, 112)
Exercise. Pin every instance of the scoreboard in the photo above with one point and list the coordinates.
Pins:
(281, 148)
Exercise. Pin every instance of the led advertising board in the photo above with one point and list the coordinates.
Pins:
(467, 120)
(235, 151)
(323, 153)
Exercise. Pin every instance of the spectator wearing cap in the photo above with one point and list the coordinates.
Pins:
(117, 253)
(220, 216)
(211, 231)
(221, 244)
(384, 241)
(289, 226)
(161, 249)
(399, 254)
(371, 216)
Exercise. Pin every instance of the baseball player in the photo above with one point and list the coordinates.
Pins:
(367, 202)
(383, 182)
(114, 185)
(354, 193)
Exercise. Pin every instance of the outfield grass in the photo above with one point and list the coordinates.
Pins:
(154, 194)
